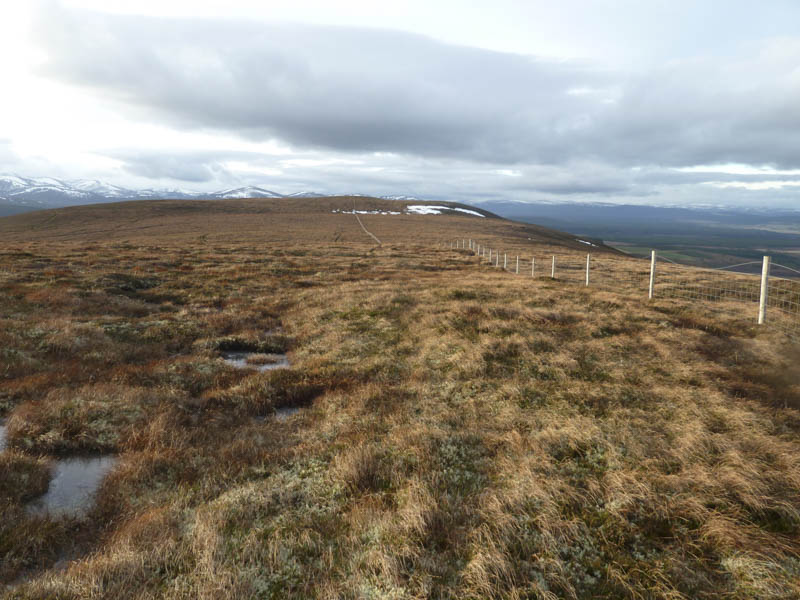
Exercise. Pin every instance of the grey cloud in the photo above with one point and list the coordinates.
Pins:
(179, 168)
(342, 88)
(179, 165)
(358, 90)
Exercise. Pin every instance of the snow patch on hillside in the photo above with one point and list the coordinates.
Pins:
(366, 212)
(422, 209)
(415, 209)
(470, 212)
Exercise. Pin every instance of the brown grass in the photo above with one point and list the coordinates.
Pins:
(464, 433)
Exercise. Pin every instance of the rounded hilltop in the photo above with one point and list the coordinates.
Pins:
(312, 218)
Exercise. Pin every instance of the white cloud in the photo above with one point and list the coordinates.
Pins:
(754, 185)
(738, 169)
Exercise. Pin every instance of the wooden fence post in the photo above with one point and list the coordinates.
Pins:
(533, 266)
(763, 297)
(518, 264)
(588, 258)
(553, 268)
(505, 261)
(651, 289)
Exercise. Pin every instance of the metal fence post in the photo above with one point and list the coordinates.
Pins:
(588, 257)
(652, 274)
(762, 300)
(553, 268)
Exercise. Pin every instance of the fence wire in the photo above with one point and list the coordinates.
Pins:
(672, 280)
(783, 305)
(678, 281)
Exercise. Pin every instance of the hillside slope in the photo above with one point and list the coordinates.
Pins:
(443, 429)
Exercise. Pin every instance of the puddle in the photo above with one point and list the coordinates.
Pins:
(2, 437)
(74, 483)
(254, 360)
(281, 414)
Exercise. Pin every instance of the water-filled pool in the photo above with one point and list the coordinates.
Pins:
(244, 360)
(72, 488)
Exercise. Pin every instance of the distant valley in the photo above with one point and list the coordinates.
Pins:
(706, 236)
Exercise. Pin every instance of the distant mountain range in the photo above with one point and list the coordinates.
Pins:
(41, 192)
(19, 194)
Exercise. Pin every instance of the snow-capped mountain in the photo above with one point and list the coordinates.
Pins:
(29, 193)
(306, 195)
(98, 187)
(43, 192)
(245, 192)
(40, 192)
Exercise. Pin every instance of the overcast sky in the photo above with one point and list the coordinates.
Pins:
(635, 101)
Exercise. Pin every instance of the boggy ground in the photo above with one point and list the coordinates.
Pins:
(466, 433)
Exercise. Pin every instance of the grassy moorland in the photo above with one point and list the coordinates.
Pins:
(463, 432)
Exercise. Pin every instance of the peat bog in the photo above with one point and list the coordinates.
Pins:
(407, 424)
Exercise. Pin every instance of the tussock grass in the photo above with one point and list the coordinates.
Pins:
(22, 476)
(465, 433)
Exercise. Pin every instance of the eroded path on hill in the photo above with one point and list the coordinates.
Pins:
(369, 233)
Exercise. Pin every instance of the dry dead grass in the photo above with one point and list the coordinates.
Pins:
(465, 433)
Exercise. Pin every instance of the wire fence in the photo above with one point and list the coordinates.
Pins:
(784, 302)
(774, 295)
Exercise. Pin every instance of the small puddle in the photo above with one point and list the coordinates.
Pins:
(254, 360)
(281, 414)
(72, 488)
